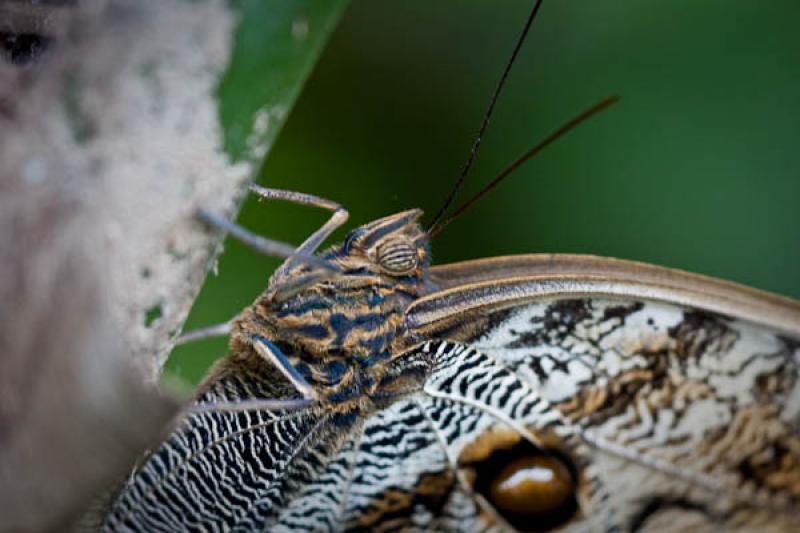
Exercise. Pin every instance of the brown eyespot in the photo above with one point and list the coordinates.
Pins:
(532, 489)
(533, 484)
(397, 256)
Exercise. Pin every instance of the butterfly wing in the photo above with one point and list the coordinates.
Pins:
(667, 415)
(410, 465)
(691, 416)
(232, 471)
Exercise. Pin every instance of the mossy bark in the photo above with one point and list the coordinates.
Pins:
(114, 128)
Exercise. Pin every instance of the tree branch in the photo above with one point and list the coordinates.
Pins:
(110, 141)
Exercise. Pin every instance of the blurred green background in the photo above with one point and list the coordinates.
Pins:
(696, 168)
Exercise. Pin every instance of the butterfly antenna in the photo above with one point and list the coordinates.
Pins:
(567, 126)
(476, 145)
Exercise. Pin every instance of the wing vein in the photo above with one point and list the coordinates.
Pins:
(457, 472)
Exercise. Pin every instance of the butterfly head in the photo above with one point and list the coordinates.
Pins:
(393, 247)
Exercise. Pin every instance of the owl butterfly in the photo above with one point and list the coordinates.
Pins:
(367, 390)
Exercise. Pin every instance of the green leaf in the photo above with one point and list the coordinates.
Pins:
(276, 45)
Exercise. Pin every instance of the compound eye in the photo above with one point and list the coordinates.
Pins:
(397, 256)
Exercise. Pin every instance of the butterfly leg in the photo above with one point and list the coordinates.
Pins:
(273, 354)
(217, 330)
(310, 245)
(276, 248)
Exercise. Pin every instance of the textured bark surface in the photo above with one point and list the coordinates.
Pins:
(109, 141)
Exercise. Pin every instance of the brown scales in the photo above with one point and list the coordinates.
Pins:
(334, 308)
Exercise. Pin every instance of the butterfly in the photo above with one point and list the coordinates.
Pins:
(366, 389)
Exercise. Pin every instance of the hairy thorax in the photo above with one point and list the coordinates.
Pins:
(342, 331)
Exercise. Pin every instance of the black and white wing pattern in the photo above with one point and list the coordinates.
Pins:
(414, 465)
(232, 471)
(420, 462)
(692, 419)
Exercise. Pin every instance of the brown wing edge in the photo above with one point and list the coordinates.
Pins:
(485, 284)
